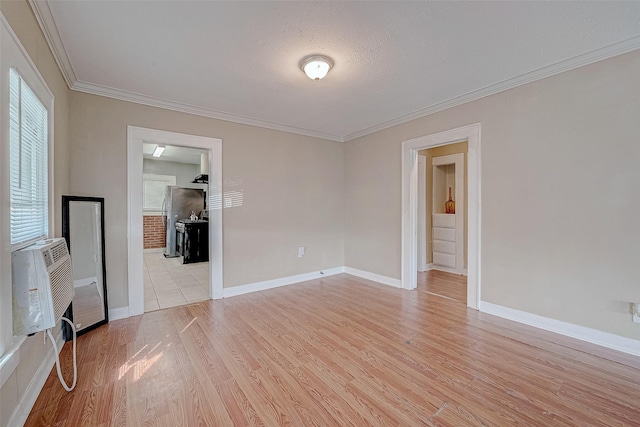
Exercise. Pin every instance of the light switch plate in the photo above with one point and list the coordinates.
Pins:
(300, 251)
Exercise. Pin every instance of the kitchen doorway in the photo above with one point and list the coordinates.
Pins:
(175, 225)
(209, 273)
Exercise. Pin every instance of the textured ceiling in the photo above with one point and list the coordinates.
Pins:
(393, 60)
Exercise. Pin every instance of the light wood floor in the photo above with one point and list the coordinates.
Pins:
(445, 285)
(340, 351)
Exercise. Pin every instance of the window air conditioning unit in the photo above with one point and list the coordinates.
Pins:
(42, 285)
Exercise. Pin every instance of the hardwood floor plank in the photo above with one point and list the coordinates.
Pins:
(443, 284)
(338, 351)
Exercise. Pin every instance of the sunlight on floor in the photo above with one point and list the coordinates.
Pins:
(141, 365)
(189, 324)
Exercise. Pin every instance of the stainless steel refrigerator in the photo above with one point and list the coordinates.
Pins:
(178, 204)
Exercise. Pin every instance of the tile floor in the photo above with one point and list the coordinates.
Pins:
(168, 283)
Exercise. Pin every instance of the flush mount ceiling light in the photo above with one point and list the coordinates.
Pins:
(158, 151)
(316, 66)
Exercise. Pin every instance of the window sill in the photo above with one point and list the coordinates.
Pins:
(10, 360)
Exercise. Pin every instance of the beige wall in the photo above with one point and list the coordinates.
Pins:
(291, 184)
(429, 154)
(559, 167)
(559, 192)
(24, 24)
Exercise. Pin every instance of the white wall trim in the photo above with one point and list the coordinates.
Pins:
(136, 136)
(423, 242)
(601, 54)
(283, 281)
(410, 148)
(122, 313)
(10, 360)
(52, 35)
(50, 30)
(462, 272)
(28, 399)
(14, 54)
(118, 313)
(593, 336)
(137, 98)
(385, 280)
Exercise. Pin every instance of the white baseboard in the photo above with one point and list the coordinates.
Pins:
(593, 336)
(424, 267)
(448, 270)
(85, 282)
(31, 393)
(118, 313)
(122, 313)
(275, 283)
(396, 283)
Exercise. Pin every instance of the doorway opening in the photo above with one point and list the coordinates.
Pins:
(191, 269)
(442, 219)
(447, 235)
(175, 225)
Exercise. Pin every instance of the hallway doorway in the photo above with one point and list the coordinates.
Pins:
(410, 212)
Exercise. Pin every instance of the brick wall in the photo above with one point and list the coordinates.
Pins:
(154, 232)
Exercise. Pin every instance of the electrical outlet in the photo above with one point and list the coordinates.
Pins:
(635, 311)
(300, 251)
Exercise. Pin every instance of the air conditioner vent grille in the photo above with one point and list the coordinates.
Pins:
(61, 290)
(59, 251)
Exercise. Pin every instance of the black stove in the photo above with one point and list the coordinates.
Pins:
(192, 240)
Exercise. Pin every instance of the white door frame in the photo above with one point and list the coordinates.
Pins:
(410, 148)
(423, 244)
(136, 136)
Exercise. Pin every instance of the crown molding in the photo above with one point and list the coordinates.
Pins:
(606, 52)
(45, 19)
(50, 30)
(198, 111)
(47, 24)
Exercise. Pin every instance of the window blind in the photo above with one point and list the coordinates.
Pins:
(29, 186)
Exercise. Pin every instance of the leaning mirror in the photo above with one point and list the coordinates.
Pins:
(83, 228)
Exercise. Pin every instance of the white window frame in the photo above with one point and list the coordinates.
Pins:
(14, 55)
(169, 179)
(26, 206)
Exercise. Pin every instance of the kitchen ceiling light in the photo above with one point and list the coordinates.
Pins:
(158, 151)
(316, 67)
